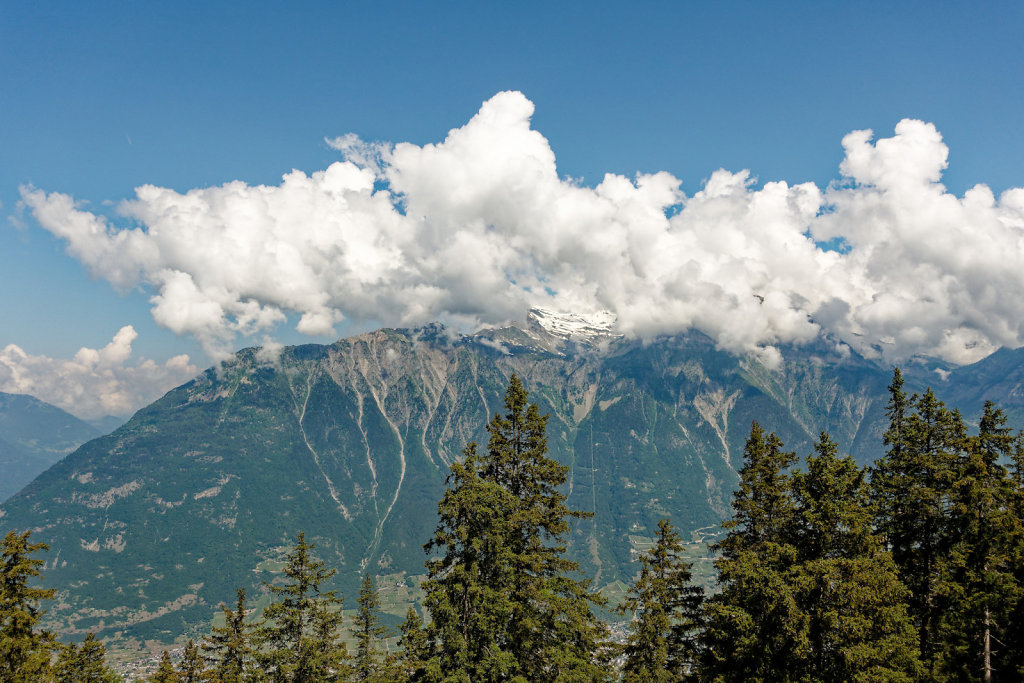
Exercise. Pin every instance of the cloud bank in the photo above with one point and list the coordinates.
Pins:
(478, 228)
(95, 382)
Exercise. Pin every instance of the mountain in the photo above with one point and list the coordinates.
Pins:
(153, 525)
(33, 436)
(107, 423)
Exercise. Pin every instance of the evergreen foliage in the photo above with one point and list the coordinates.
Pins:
(808, 593)
(24, 648)
(855, 606)
(756, 630)
(979, 588)
(951, 512)
(662, 645)
(330, 658)
(1013, 640)
(917, 574)
(191, 669)
(414, 648)
(298, 640)
(166, 672)
(229, 649)
(913, 486)
(85, 663)
(368, 631)
(503, 603)
(26, 651)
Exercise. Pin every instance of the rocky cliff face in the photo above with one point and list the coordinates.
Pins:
(152, 526)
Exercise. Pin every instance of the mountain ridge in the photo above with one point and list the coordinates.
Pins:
(154, 524)
(33, 436)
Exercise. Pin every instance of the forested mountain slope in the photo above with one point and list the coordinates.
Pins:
(203, 491)
(33, 436)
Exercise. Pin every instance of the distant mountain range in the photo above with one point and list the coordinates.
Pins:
(34, 435)
(153, 525)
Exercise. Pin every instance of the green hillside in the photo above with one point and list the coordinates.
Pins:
(203, 491)
(33, 436)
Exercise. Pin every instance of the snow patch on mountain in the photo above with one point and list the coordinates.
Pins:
(586, 327)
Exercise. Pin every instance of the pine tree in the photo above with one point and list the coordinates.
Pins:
(298, 638)
(503, 603)
(191, 669)
(464, 590)
(896, 410)
(328, 651)
(808, 593)
(667, 609)
(24, 648)
(165, 673)
(414, 646)
(846, 584)
(979, 587)
(756, 630)
(368, 630)
(85, 663)
(913, 487)
(229, 648)
(1013, 640)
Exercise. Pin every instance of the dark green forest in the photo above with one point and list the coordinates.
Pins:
(911, 569)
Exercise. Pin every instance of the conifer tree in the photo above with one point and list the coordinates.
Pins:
(191, 669)
(662, 644)
(329, 652)
(298, 638)
(465, 588)
(846, 584)
(85, 663)
(913, 487)
(24, 648)
(979, 587)
(1013, 640)
(503, 603)
(808, 593)
(229, 649)
(414, 648)
(756, 629)
(165, 673)
(368, 630)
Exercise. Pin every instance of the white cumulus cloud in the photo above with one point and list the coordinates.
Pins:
(479, 227)
(95, 382)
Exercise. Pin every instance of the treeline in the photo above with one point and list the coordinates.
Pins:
(910, 570)
(27, 652)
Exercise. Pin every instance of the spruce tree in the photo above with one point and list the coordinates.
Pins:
(756, 629)
(298, 639)
(414, 648)
(808, 593)
(662, 644)
(368, 630)
(1013, 640)
(978, 587)
(229, 649)
(191, 669)
(846, 584)
(24, 648)
(165, 673)
(502, 598)
(913, 487)
(85, 663)
(329, 652)
(465, 592)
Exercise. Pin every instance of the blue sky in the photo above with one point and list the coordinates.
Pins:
(99, 98)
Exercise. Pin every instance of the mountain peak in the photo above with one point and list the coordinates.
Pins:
(580, 327)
